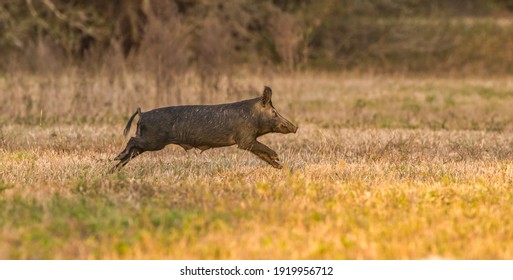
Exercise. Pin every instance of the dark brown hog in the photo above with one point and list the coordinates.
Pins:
(208, 126)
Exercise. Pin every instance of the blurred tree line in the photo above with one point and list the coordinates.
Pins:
(420, 36)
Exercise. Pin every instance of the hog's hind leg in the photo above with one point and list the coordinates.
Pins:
(134, 147)
(132, 143)
(128, 157)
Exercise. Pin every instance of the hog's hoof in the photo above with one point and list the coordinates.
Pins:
(121, 156)
(276, 164)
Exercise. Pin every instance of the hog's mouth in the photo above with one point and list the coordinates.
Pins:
(287, 128)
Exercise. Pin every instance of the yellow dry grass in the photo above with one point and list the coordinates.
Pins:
(381, 168)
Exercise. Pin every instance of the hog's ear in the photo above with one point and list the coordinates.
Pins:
(266, 97)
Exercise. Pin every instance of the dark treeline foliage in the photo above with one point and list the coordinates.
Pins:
(461, 36)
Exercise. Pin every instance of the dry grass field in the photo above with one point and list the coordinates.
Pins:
(382, 167)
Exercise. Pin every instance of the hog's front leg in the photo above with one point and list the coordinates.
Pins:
(263, 152)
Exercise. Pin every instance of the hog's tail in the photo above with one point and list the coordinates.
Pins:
(129, 124)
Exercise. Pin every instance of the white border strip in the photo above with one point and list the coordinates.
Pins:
(126, 270)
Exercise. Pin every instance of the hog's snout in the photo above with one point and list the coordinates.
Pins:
(287, 128)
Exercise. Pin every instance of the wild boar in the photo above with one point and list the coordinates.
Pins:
(208, 126)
